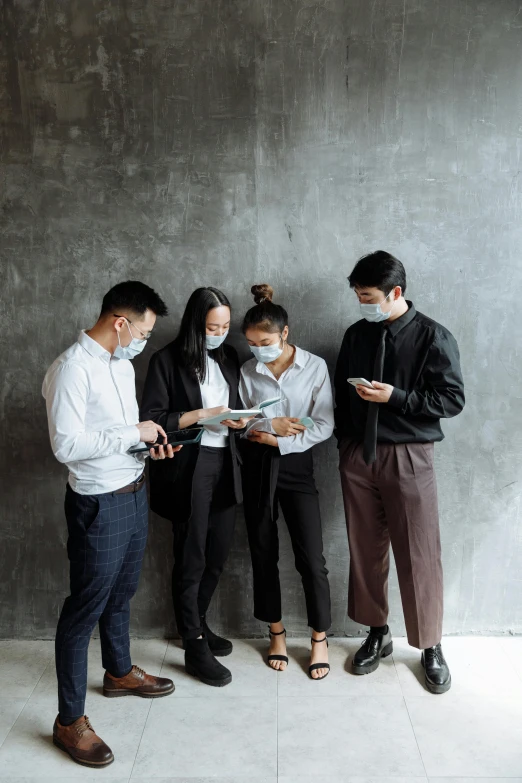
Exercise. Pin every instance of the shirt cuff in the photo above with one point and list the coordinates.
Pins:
(263, 425)
(130, 435)
(398, 398)
(285, 444)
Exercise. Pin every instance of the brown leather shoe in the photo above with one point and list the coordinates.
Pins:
(82, 743)
(137, 683)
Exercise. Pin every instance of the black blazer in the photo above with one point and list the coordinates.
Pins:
(171, 389)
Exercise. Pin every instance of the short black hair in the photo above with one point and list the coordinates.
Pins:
(378, 270)
(134, 297)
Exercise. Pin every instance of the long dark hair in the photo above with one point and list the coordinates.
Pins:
(266, 315)
(191, 341)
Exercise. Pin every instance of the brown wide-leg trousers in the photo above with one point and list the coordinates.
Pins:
(394, 500)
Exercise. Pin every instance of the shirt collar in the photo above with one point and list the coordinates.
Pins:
(299, 361)
(396, 326)
(92, 347)
(299, 357)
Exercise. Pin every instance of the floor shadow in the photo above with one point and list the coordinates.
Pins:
(44, 739)
(175, 667)
(258, 646)
(417, 670)
(299, 654)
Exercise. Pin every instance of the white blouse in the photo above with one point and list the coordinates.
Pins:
(215, 391)
(305, 390)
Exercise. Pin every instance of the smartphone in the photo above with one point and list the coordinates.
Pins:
(307, 422)
(179, 438)
(361, 382)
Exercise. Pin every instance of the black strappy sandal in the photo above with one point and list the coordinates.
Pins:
(315, 666)
(277, 657)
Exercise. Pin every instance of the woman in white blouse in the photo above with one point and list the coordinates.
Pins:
(278, 470)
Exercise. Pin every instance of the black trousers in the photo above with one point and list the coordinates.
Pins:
(201, 545)
(107, 538)
(271, 481)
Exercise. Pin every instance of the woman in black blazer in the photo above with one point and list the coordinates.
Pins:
(192, 378)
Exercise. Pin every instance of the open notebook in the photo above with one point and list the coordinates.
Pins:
(235, 415)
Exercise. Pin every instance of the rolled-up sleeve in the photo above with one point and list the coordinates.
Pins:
(322, 415)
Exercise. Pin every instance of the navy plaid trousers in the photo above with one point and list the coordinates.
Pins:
(107, 538)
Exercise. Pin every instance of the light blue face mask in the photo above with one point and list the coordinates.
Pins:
(214, 340)
(131, 350)
(374, 313)
(268, 353)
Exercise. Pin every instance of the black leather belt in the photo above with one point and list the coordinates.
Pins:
(134, 487)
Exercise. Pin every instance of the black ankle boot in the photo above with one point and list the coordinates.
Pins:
(218, 645)
(436, 671)
(200, 662)
(377, 645)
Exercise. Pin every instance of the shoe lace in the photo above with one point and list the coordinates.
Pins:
(138, 671)
(371, 635)
(83, 727)
(436, 653)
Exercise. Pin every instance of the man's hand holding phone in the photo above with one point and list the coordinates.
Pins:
(164, 452)
(380, 392)
(149, 432)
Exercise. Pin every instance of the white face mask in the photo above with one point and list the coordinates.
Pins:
(374, 313)
(268, 353)
(214, 340)
(131, 350)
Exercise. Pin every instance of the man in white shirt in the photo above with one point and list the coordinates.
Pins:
(93, 422)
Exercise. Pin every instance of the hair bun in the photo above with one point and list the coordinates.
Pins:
(262, 293)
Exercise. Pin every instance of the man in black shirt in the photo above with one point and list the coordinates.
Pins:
(386, 436)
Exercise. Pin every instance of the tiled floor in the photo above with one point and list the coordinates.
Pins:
(267, 727)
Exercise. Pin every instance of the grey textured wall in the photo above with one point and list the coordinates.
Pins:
(225, 143)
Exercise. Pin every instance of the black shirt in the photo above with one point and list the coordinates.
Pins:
(421, 362)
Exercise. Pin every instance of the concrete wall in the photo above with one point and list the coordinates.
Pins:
(226, 143)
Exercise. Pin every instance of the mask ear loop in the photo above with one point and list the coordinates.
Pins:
(128, 327)
(394, 301)
(118, 334)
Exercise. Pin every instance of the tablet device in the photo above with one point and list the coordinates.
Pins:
(361, 382)
(179, 438)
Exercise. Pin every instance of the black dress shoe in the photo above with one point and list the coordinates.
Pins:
(377, 645)
(436, 672)
(201, 663)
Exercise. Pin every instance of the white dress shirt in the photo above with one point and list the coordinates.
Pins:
(92, 414)
(215, 391)
(305, 390)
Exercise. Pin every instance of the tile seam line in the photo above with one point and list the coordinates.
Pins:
(411, 722)
(26, 703)
(147, 716)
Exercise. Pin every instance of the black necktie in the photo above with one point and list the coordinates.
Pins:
(370, 433)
